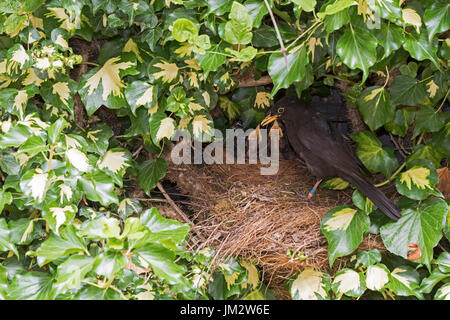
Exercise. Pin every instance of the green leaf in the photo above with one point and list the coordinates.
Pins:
(32, 286)
(33, 146)
(336, 21)
(407, 90)
(428, 283)
(15, 136)
(5, 238)
(343, 227)
(376, 107)
(437, 18)
(55, 246)
(420, 48)
(443, 292)
(102, 228)
(161, 126)
(98, 187)
(212, 60)
(184, 30)
(362, 202)
(163, 229)
(335, 7)
(257, 10)
(5, 198)
(373, 155)
(161, 261)
(428, 120)
(72, 271)
(140, 93)
(306, 5)
(231, 109)
(403, 118)
(238, 29)
(390, 37)
(98, 138)
(404, 281)
(426, 152)
(357, 49)
(283, 78)
(56, 128)
(422, 226)
(417, 182)
(150, 172)
(110, 263)
(103, 85)
(368, 258)
(57, 216)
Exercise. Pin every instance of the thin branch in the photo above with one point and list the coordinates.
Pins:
(283, 49)
(177, 209)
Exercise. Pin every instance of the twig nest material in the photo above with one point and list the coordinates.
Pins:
(260, 218)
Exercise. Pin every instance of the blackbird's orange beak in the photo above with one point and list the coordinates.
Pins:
(269, 119)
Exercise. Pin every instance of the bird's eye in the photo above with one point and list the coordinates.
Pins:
(280, 110)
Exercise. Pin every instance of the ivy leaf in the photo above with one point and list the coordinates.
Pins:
(427, 119)
(335, 7)
(163, 229)
(362, 202)
(426, 152)
(140, 93)
(357, 49)
(110, 263)
(257, 10)
(55, 246)
(403, 118)
(349, 282)
(375, 107)
(33, 146)
(231, 109)
(57, 216)
(165, 71)
(59, 93)
(306, 5)
(102, 227)
(343, 227)
(309, 285)
(422, 225)
(103, 85)
(407, 90)
(283, 78)
(377, 276)
(161, 260)
(98, 187)
(420, 48)
(5, 198)
(404, 281)
(212, 60)
(72, 271)
(437, 18)
(368, 258)
(114, 163)
(15, 136)
(443, 293)
(98, 138)
(238, 29)
(5, 238)
(390, 37)
(417, 183)
(161, 126)
(150, 172)
(33, 285)
(373, 155)
(184, 30)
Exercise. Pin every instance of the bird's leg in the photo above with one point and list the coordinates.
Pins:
(313, 190)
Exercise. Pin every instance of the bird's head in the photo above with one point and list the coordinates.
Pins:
(281, 111)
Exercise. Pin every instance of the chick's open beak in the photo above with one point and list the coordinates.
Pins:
(269, 119)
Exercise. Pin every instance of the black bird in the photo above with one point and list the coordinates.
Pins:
(324, 150)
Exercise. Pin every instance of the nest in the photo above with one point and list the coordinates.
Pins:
(260, 218)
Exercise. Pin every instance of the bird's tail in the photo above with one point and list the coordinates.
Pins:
(374, 194)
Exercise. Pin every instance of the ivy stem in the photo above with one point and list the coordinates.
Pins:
(90, 63)
(280, 39)
(391, 177)
(443, 101)
(314, 25)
